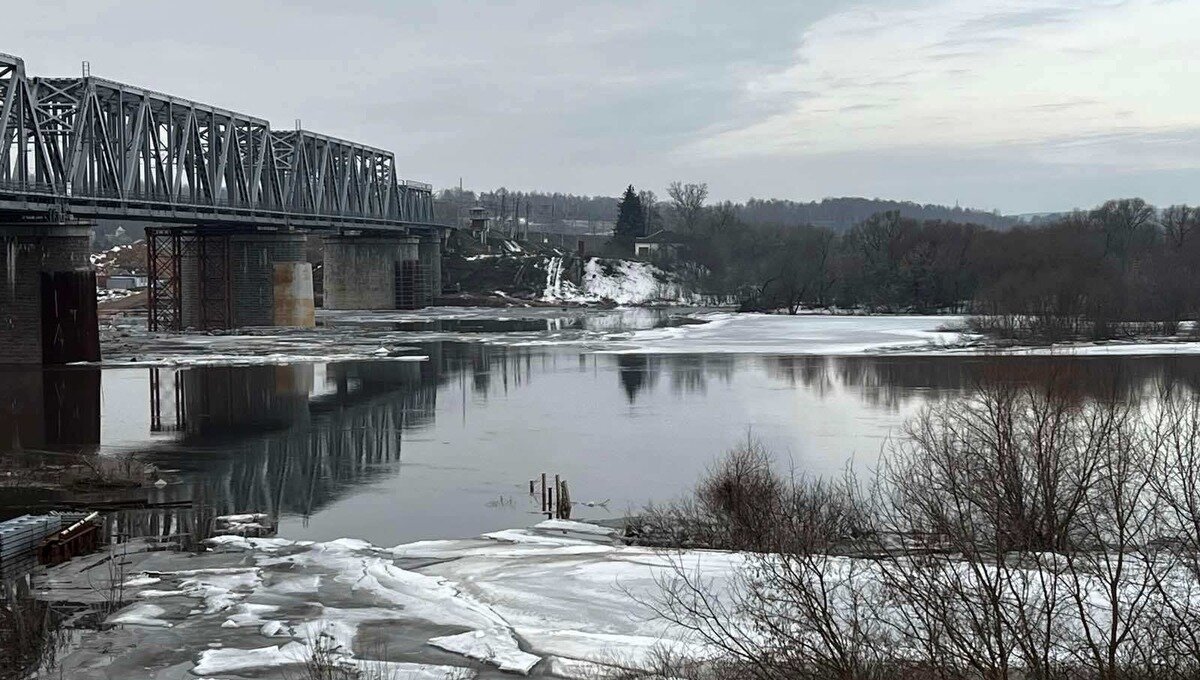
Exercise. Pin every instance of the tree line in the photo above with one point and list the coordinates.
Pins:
(843, 213)
(1124, 267)
(554, 208)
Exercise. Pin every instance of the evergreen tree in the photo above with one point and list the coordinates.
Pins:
(631, 219)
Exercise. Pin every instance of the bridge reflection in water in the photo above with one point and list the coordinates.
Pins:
(289, 439)
(56, 409)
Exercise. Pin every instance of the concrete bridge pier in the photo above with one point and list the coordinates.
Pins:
(271, 280)
(373, 272)
(207, 279)
(47, 294)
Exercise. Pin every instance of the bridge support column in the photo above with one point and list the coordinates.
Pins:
(431, 268)
(270, 280)
(47, 295)
(214, 280)
(374, 272)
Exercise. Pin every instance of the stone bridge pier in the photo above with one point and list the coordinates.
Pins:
(47, 294)
(381, 272)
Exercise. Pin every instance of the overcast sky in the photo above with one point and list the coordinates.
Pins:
(1016, 105)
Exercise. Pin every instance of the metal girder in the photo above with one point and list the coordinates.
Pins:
(323, 175)
(99, 148)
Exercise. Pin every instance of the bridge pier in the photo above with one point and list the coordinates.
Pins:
(431, 267)
(229, 280)
(271, 280)
(47, 294)
(373, 272)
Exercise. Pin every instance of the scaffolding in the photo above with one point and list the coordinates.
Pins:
(206, 258)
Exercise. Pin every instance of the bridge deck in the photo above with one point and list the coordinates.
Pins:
(16, 200)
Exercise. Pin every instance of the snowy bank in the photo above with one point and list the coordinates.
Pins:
(624, 282)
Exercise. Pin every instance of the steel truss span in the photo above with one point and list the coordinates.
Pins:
(95, 148)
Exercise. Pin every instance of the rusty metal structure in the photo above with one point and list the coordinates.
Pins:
(207, 254)
(95, 148)
(80, 538)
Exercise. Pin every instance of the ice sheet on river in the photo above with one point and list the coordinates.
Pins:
(729, 332)
(840, 335)
(563, 598)
(396, 336)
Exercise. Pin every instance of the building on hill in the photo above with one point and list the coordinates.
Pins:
(660, 245)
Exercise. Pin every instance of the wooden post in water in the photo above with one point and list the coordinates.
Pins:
(532, 485)
(543, 492)
(564, 501)
(558, 497)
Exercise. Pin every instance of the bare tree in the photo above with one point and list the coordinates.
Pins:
(1180, 224)
(687, 204)
(1025, 532)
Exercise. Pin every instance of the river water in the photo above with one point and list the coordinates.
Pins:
(445, 444)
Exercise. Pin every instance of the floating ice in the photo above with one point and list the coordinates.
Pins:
(141, 615)
(494, 646)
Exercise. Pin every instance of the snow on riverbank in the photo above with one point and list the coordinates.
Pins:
(624, 282)
(561, 599)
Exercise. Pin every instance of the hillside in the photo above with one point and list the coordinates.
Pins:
(845, 212)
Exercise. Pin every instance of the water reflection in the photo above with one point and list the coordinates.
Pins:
(50, 410)
(291, 439)
(891, 382)
(531, 321)
(637, 372)
(475, 421)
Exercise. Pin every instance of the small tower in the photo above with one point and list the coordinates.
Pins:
(479, 218)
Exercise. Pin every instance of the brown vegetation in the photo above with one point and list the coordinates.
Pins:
(79, 472)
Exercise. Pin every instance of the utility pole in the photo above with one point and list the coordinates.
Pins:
(503, 208)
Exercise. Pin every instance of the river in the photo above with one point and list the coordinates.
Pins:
(445, 443)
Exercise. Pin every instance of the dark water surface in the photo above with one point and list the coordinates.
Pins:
(395, 451)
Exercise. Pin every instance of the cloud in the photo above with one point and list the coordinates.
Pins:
(1036, 77)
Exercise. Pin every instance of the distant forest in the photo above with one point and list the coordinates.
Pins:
(1124, 268)
(844, 213)
(555, 210)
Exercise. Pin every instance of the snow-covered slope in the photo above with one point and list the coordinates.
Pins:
(624, 282)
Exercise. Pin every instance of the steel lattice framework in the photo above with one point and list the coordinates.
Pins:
(95, 148)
